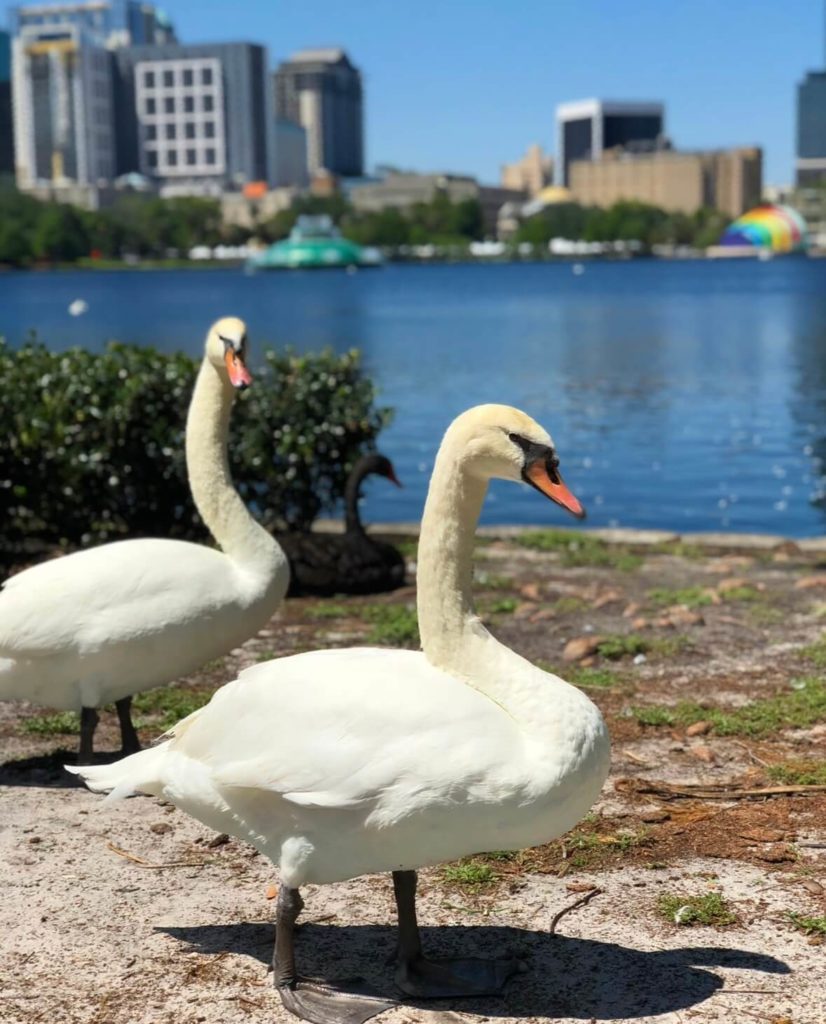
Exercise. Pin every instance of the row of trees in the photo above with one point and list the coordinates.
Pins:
(148, 227)
(624, 221)
(32, 231)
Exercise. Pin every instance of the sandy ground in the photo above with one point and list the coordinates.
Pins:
(125, 914)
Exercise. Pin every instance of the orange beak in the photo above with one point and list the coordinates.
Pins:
(538, 475)
(239, 375)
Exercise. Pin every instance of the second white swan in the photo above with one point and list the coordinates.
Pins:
(100, 625)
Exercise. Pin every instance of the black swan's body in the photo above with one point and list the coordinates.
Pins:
(345, 563)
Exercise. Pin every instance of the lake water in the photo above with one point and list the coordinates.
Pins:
(687, 395)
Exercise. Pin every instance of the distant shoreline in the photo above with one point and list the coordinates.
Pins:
(204, 265)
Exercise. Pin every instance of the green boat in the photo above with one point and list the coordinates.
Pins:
(315, 242)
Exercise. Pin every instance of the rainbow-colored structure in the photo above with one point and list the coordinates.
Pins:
(770, 227)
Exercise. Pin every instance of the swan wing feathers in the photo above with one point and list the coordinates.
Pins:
(343, 728)
(109, 594)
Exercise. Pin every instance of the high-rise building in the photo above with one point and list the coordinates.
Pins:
(6, 129)
(63, 86)
(586, 128)
(194, 118)
(113, 23)
(290, 159)
(62, 97)
(321, 90)
(810, 165)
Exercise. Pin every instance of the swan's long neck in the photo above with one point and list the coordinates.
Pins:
(220, 505)
(352, 519)
(453, 637)
(447, 623)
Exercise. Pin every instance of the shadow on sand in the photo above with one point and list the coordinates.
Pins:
(579, 978)
(46, 770)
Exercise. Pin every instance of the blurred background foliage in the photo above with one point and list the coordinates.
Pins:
(92, 445)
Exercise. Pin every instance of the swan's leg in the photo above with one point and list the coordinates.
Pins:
(129, 742)
(315, 1001)
(88, 723)
(439, 979)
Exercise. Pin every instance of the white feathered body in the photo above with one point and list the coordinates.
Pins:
(340, 763)
(98, 625)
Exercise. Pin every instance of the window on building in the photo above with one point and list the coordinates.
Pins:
(189, 78)
(172, 158)
(169, 104)
(209, 104)
(152, 158)
(150, 106)
(149, 79)
(206, 76)
(190, 157)
(168, 79)
(151, 132)
(209, 155)
(170, 131)
(209, 129)
(189, 104)
(189, 130)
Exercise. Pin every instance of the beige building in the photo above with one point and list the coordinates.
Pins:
(729, 180)
(405, 190)
(530, 174)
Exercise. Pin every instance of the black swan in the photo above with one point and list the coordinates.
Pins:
(345, 563)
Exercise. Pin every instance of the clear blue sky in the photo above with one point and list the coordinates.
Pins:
(464, 85)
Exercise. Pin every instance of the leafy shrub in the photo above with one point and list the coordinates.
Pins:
(92, 445)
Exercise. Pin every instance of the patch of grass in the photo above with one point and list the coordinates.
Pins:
(409, 547)
(580, 549)
(394, 625)
(61, 723)
(691, 597)
(470, 874)
(766, 615)
(816, 653)
(490, 581)
(680, 550)
(805, 705)
(172, 703)
(265, 655)
(502, 606)
(599, 678)
(326, 611)
(569, 605)
(505, 855)
(742, 594)
(710, 909)
(808, 925)
(653, 714)
(668, 646)
(582, 847)
(618, 645)
(798, 773)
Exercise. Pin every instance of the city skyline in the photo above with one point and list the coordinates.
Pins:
(466, 87)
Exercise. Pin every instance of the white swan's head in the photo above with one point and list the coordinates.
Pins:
(503, 442)
(226, 349)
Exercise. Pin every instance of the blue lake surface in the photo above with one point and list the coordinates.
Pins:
(682, 395)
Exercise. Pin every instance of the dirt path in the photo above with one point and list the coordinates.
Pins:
(709, 667)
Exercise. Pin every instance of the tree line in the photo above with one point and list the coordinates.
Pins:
(33, 231)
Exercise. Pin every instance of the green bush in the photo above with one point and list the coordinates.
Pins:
(92, 445)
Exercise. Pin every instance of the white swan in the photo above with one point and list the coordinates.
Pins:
(100, 625)
(342, 762)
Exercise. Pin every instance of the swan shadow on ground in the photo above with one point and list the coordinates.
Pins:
(47, 771)
(585, 979)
